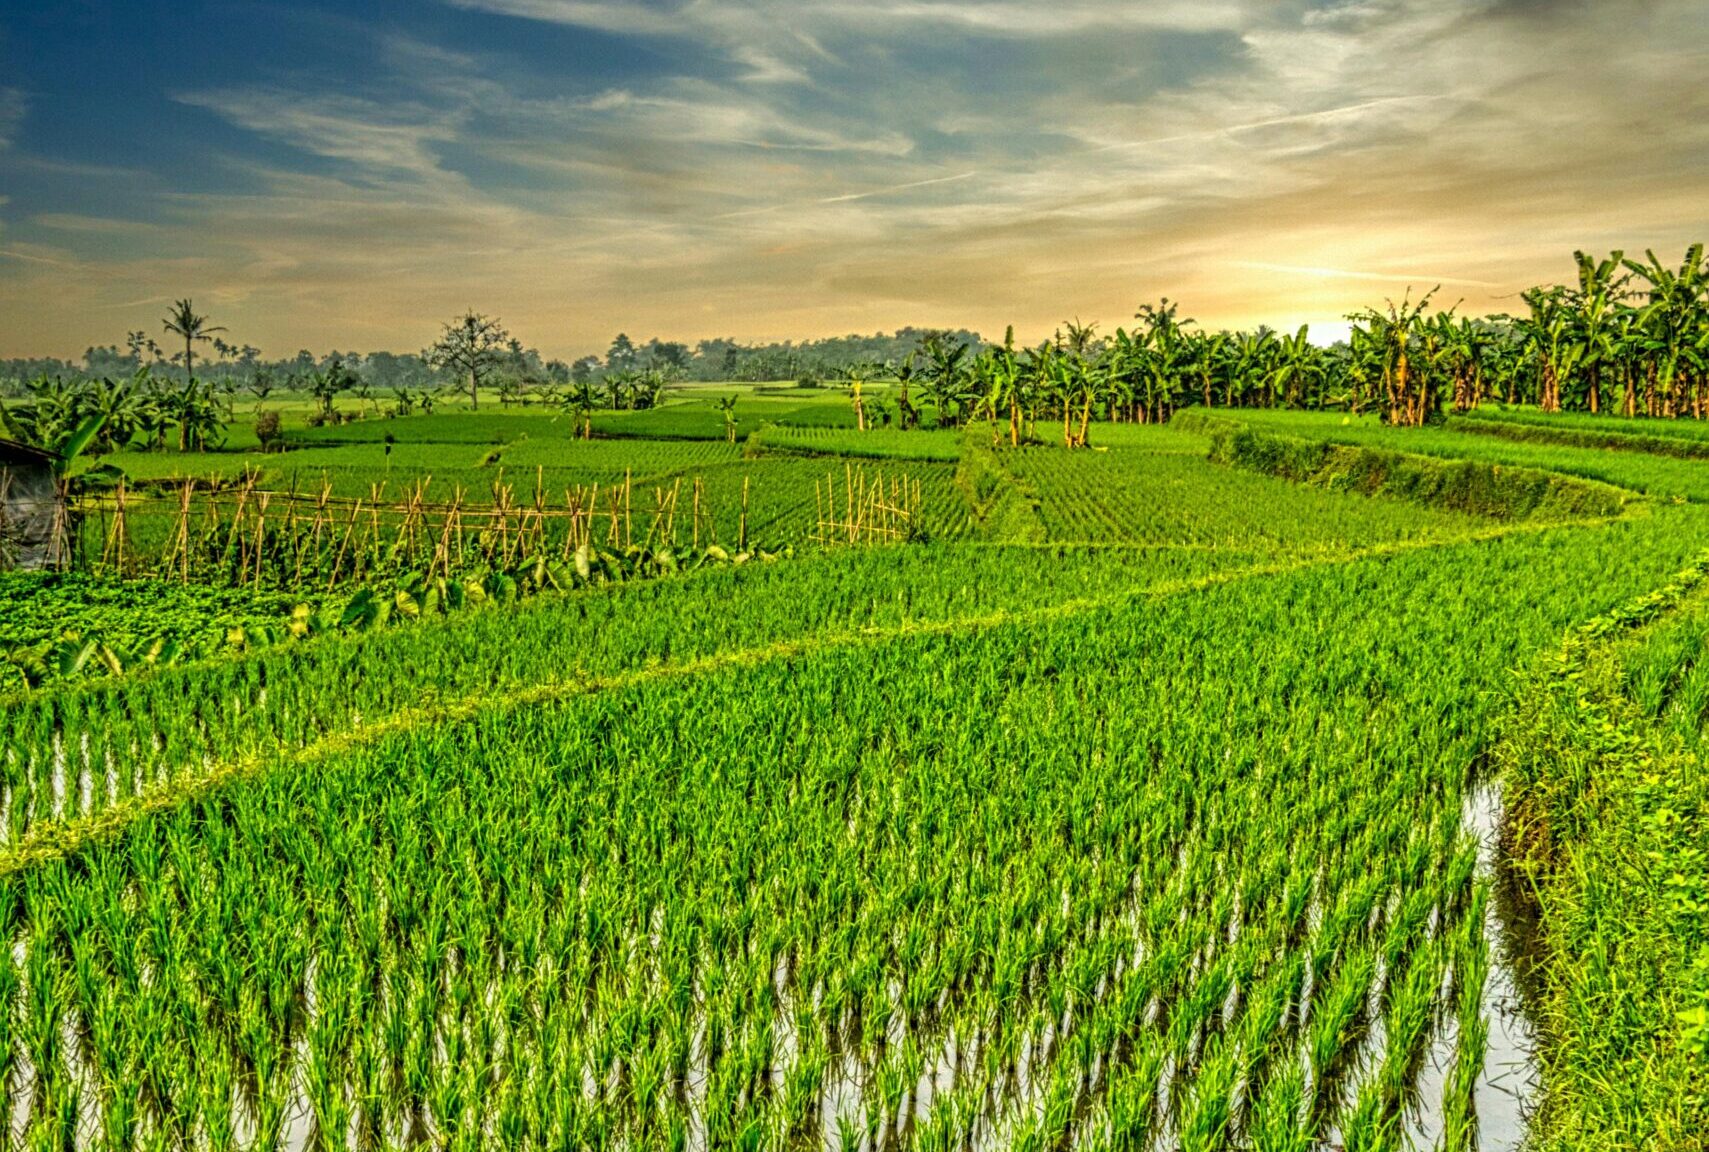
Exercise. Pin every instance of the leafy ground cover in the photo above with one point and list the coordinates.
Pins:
(47, 618)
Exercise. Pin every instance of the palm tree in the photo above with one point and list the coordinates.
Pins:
(946, 374)
(1296, 369)
(184, 323)
(727, 406)
(584, 399)
(1672, 316)
(1388, 337)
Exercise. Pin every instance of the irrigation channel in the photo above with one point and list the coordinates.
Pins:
(844, 1114)
(1506, 1089)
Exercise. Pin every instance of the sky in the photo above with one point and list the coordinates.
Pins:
(337, 175)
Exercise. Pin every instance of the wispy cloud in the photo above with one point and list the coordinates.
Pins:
(773, 169)
(396, 138)
(12, 109)
(1374, 277)
(600, 15)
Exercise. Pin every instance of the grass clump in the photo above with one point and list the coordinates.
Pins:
(1606, 812)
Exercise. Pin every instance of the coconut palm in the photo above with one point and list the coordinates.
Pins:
(186, 324)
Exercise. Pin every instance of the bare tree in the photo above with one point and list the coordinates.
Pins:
(471, 346)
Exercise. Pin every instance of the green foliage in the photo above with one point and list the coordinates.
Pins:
(1607, 811)
(1663, 477)
(942, 446)
(1130, 810)
(1469, 486)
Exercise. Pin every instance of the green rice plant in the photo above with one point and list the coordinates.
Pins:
(1278, 1120)
(729, 853)
(1206, 1117)
(1459, 1090)
(1337, 1023)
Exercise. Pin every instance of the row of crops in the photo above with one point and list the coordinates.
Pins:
(1148, 497)
(1153, 832)
(920, 848)
(75, 752)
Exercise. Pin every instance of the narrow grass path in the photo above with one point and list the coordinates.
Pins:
(65, 838)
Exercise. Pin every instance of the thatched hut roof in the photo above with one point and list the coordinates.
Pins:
(14, 453)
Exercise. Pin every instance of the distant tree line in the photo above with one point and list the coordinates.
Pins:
(238, 366)
(1625, 335)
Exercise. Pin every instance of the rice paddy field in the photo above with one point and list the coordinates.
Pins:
(1135, 800)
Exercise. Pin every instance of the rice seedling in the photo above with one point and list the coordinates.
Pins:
(919, 847)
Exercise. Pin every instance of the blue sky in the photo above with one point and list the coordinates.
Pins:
(348, 175)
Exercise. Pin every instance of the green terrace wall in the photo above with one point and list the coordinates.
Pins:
(1472, 486)
(1525, 432)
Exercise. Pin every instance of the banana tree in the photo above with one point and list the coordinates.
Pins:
(583, 399)
(1388, 337)
(727, 407)
(907, 414)
(997, 374)
(1672, 316)
(1596, 303)
(1165, 358)
(617, 385)
(946, 377)
(1296, 371)
(1207, 364)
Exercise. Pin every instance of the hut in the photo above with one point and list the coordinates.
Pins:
(32, 511)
